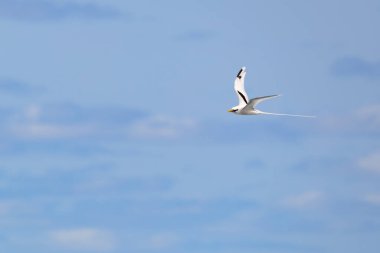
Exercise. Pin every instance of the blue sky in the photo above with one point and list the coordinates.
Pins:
(115, 136)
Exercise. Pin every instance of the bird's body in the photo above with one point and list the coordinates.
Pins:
(247, 106)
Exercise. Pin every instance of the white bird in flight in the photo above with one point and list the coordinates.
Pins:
(248, 106)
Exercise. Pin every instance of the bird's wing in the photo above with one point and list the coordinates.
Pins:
(239, 88)
(253, 102)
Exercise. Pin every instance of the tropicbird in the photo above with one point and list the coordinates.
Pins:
(247, 106)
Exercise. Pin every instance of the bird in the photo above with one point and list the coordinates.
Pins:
(247, 106)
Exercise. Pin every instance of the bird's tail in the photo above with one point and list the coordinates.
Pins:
(285, 114)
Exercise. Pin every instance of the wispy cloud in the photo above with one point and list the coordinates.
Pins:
(44, 10)
(371, 162)
(162, 127)
(68, 113)
(49, 131)
(355, 66)
(370, 116)
(304, 200)
(373, 198)
(163, 241)
(83, 239)
(34, 122)
(364, 120)
(62, 121)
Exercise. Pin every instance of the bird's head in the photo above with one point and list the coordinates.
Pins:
(233, 109)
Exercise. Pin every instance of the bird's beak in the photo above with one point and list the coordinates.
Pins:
(230, 110)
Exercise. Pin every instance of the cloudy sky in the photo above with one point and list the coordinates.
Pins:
(115, 135)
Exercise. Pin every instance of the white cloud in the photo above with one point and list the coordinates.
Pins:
(48, 131)
(34, 123)
(163, 241)
(304, 200)
(83, 239)
(365, 119)
(33, 112)
(162, 127)
(28, 124)
(373, 199)
(55, 122)
(371, 162)
(370, 116)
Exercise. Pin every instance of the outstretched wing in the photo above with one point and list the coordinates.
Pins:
(253, 102)
(239, 88)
